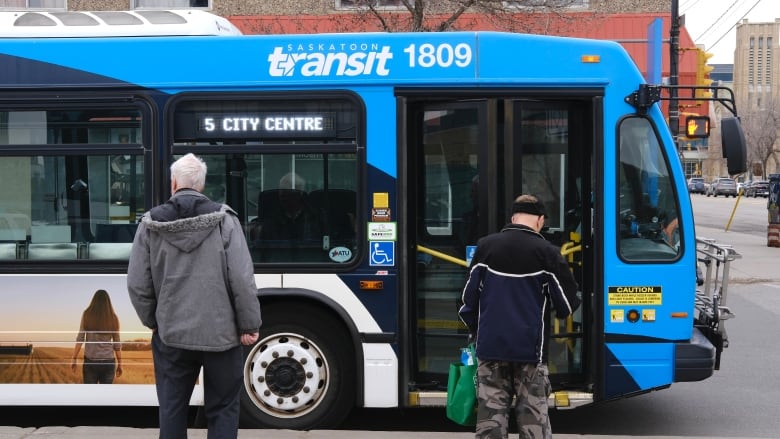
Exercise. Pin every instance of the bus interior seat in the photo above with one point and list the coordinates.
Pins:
(115, 232)
(50, 233)
(268, 247)
(109, 250)
(7, 250)
(269, 202)
(12, 234)
(59, 251)
(339, 208)
(14, 227)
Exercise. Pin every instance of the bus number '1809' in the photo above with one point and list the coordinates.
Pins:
(442, 55)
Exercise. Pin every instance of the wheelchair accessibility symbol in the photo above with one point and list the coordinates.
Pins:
(470, 250)
(382, 253)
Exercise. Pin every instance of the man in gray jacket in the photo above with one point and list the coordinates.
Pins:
(191, 281)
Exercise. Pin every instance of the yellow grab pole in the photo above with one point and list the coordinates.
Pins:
(733, 212)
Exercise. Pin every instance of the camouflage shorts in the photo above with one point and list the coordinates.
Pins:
(498, 383)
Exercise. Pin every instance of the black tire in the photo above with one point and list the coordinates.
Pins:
(301, 373)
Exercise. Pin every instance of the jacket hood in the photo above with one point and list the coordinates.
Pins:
(186, 219)
(188, 233)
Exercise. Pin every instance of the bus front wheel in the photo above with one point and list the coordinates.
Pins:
(299, 375)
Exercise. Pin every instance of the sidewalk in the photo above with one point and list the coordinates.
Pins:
(136, 433)
(758, 263)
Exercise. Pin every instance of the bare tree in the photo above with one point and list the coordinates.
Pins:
(527, 16)
(760, 125)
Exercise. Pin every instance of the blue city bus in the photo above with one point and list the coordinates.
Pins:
(364, 168)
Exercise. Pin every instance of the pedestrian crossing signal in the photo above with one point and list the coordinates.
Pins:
(697, 127)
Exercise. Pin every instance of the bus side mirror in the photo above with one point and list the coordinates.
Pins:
(733, 145)
(697, 127)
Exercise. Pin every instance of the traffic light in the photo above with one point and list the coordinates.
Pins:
(703, 73)
(697, 127)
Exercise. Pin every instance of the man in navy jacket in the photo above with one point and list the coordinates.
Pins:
(516, 278)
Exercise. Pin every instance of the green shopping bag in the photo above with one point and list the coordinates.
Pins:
(462, 392)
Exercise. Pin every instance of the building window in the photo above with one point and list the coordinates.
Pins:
(170, 4)
(768, 76)
(34, 4)
(548, 3)
(357, 4)
(760, 42)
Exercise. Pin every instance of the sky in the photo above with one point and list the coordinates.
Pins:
(713, 22)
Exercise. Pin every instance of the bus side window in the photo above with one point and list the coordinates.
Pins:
(59, 200)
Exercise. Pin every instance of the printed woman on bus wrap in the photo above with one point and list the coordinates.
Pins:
(99, 332)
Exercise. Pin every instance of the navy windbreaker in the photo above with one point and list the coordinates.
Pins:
(516, 278)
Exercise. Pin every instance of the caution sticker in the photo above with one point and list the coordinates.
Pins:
(624, 296)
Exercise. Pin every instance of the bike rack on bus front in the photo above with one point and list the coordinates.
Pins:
(711, 298)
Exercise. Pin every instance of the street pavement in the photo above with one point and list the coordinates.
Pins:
(758, 263)
(148, 433)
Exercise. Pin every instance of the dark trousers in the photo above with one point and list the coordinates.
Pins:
(175, 372)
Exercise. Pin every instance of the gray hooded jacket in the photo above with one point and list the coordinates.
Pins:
(190, 276)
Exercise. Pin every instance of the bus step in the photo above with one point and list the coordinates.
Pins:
(562, 400)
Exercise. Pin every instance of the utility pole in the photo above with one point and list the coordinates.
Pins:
(674, 53)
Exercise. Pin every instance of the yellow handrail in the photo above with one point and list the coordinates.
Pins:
(441, 255)
(567, 250)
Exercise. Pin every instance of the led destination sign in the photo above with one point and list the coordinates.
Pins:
(246, 124)
(255, 125)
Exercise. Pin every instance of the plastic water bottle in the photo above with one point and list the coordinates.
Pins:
(465, 357)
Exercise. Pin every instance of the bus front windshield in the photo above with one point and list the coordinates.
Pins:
(648, 212)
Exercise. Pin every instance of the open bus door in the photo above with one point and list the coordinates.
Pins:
(465, 161)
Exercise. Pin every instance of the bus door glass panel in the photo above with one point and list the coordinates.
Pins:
(447, 224)
(552, 169)
(648, 212)
(71, 206)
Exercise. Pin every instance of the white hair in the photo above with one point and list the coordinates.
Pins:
(292, 180)
(190, 172)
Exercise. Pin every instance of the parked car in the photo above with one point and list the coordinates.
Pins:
(757, 188)
(696, 185)
(723, 186)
